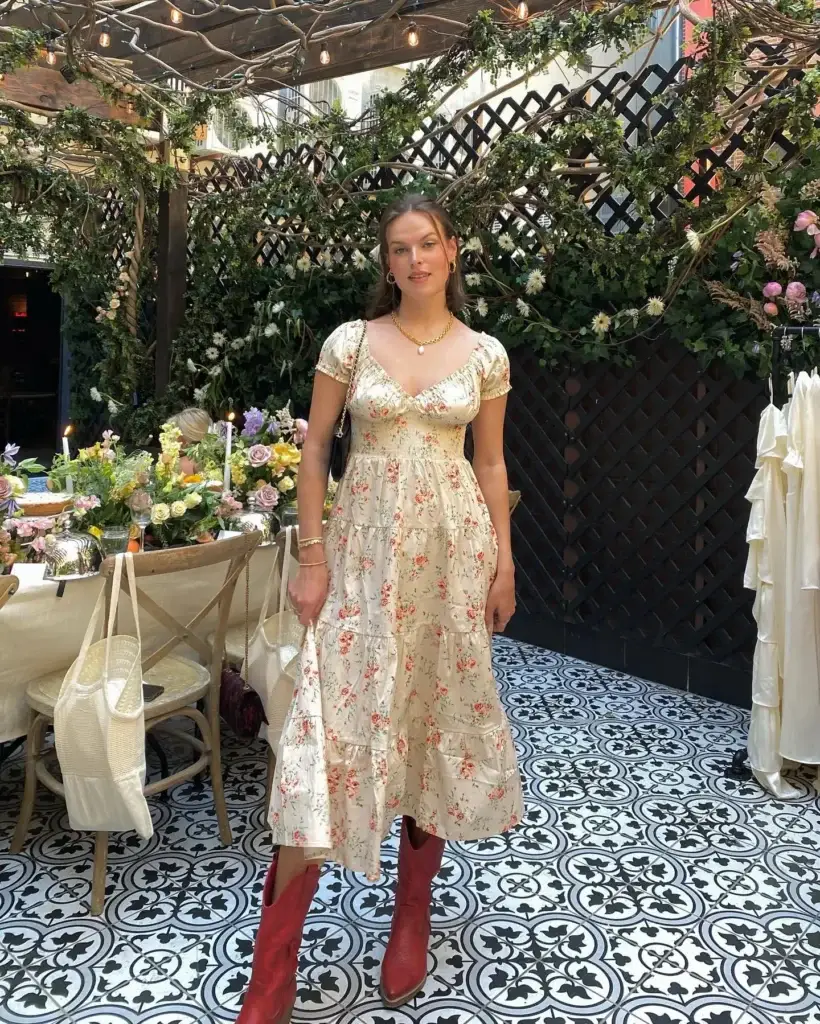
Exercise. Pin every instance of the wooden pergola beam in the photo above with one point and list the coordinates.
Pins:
(44, 88)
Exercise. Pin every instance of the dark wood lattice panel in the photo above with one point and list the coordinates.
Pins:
(638, 103)
(634, 515)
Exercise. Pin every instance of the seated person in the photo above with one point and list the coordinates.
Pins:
(194, 424)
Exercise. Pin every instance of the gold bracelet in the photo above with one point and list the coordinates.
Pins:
(306, 543)
(307, 564)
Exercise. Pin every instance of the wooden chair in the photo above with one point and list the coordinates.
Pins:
(8, 586)
(184, 681)
(235, 656)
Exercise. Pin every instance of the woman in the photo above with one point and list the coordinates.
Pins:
(193, 424)
(410, 578)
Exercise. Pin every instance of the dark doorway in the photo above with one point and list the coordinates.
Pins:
(29, 361)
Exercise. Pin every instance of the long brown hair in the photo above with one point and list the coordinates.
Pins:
(386, 297)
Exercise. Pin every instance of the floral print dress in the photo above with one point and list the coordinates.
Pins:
(395, 708)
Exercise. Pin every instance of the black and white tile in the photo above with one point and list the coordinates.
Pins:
(644, 886)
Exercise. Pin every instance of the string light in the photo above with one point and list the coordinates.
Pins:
(105, 38)
(176, 16)
(523, 10)
(51, 56)
(324, 54)
(412, 35)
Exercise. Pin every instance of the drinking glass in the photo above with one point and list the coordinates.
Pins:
(141, 504)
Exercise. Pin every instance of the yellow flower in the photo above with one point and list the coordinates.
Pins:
(286, 454)
(193, 478)
(238, 475)
(286, 484)
(192, 500)
(95, 531)
(178, 509)
(17, 485)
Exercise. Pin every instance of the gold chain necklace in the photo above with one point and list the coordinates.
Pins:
(421, 345)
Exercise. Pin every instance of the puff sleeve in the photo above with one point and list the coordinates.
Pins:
(495, 377)
(339, 352)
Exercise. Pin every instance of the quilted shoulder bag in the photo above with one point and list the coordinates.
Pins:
(340, 444)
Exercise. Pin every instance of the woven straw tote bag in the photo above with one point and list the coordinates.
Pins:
(273, 650)
(99, 724)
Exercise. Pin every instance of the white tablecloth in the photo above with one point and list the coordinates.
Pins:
(40, 632)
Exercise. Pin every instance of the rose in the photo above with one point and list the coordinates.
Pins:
(259, 455)
(5, 489)
(286, 484)
(796, 291)
(178, 509)
(300, 431)
(160, 513)
(772, 290)
(17, 485)
(770, 309)
(192, 500)
(266, 498)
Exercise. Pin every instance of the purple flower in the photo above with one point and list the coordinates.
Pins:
(266, 498)
(259, 455)
(815, 298)
(254, 421)
(10, 453)
(772, 289)
(274, 427)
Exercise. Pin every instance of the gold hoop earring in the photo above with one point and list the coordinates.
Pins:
(453, 266)
(391, 277)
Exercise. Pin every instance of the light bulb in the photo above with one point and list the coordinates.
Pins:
(2, 76)
(176, 16)
(523, 10)
(413, 35)
(324, 55)
(105, 39)
(51, 57)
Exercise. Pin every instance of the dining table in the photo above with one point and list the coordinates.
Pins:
(42, 625)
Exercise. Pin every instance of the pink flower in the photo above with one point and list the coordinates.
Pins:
(5, 489)
(259, 455)
(266, 498)
(25, 530)
(228, 506)
(796, 291)
(772, 289)
(770, 309)
(38, 545)
(300, 431)
(85, 502)
(804, 219)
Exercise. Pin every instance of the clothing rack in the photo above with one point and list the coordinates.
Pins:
(781, 343)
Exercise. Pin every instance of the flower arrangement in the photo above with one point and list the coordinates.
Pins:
(265, 462)
(23, 539)
(183, 509)
(14, 478)
(104, 478)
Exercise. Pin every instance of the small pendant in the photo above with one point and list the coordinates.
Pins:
(421, 350)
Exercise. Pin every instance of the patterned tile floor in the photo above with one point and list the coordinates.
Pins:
(643, 887)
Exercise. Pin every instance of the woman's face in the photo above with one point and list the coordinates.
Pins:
(420, 261)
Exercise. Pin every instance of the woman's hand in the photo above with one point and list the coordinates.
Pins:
(500, 602)
(309, 592)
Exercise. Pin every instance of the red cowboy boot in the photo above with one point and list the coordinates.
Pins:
(404, 969)
(271, 993)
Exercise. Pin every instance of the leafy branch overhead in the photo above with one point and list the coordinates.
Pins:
(584, 224)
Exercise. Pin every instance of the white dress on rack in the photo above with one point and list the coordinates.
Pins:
(766, 574)
(800, 712)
